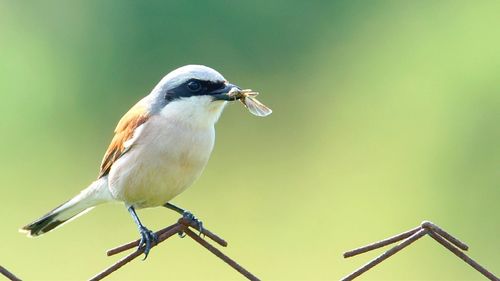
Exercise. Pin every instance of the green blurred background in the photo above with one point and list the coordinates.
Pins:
(386, 113)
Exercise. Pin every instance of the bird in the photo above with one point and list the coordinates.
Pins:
(159, 148)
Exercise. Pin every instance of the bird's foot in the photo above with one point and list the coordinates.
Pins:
(148, 240)
(198, 224)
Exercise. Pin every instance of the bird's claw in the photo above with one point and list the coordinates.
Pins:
(148, 240)
(191, 218)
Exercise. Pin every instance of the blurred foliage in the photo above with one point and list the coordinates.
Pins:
(385, 113)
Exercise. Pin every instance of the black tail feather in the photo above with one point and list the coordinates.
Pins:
(93, 195)
(42, 225)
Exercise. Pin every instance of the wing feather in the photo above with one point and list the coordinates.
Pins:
(124, 131)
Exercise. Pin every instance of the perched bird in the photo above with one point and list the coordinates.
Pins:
(160, 147)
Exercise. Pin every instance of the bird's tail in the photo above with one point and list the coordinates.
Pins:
(93, 195)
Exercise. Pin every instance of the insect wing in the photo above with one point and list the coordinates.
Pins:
(256, 107)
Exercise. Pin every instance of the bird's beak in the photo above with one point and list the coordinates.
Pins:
(222, 93)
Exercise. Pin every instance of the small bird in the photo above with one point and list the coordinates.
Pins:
(160, 147)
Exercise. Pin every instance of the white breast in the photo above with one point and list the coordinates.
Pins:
(168, 155)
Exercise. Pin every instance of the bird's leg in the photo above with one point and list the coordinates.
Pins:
(147, 236)
(174, 208)
(187, 215)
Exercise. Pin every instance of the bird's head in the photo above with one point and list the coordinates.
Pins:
(193, 92)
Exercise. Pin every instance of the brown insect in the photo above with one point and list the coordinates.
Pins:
(248, 98)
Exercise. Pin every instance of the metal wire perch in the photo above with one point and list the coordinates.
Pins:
(426, 227)
(183, 225)
(8, 274)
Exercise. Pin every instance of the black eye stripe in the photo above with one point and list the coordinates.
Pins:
(193, 87)
(208, 85)
(212, 86)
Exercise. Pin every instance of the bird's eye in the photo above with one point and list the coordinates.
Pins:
(194, 86)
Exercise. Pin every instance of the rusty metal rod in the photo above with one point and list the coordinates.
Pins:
(182, 225)
(8, 274)
(116, 266)
(445, 235)
(221, 255)
(135, 243)
(164, 236)
(381, 243)
(204, 231)
(182, 221)
(463, 256)
(386, 255)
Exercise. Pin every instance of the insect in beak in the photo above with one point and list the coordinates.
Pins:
(248, 98)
